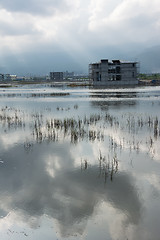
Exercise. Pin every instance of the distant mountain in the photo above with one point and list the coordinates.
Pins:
(150, 60)
(41, 62)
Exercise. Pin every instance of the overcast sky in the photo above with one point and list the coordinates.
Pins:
(38, 36)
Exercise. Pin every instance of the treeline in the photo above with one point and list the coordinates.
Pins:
(154, 76)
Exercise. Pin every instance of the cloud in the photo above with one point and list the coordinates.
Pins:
(36, 7)
(11, 25)
(127, 21)
(84, 31)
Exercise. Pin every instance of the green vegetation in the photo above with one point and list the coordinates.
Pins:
(154, 76)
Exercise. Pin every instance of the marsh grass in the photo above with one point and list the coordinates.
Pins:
(107, 166)
(11, 118)
(139, 129)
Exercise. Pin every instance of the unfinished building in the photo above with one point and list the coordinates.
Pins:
(56, 76)
(115, 72)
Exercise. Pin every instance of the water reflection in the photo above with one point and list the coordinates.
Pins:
(92, 127)
(78, 172)
(46, 182)
(114, 94)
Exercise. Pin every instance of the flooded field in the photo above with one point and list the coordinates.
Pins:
(79, 163)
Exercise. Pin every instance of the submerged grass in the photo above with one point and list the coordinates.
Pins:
(108, 166)
(139, 129)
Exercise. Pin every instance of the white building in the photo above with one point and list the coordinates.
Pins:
(13, 77)
(115, 72)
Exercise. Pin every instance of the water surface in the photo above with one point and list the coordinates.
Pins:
(79, 163)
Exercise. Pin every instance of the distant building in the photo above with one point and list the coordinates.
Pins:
(1, 77)
(5, 77)
(56, 76)
(115, 72)
(68, 75)
(13, 77)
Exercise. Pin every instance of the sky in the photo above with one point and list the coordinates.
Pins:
(39, 36)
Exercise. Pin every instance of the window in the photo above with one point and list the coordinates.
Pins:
(118, 77)
(118, 69)
(111, 70)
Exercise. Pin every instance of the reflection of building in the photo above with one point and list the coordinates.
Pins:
(56, 76)
(113, 73)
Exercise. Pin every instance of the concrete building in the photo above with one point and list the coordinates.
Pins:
(56, 76)
(5, 77)
(1, 77)
(113, 72)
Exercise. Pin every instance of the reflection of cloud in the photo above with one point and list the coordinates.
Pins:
(70, 197)
(8, 140)
(52, 165)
